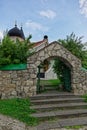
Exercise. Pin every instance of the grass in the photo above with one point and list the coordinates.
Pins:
(54, 82)
(73, 127)
(18, 109)
(85, 97)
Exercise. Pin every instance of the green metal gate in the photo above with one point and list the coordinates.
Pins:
(40, 74)
(67, 78)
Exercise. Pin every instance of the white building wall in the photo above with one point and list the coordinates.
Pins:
(49, 74)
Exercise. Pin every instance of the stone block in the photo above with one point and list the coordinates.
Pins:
(58, 53)
(76, 92)
(14, 93)
(37, 63)
(46, 55)
(81, 92)
(8, 88)
(32, 66)
(54, 53)
(18, 83)
(41, 53)
(51, 47)
(33, 88)
(29, 94)
(57, 47)
(35, 81)
(29, 82)
(49, 53)
(41, 58)
(84, 88)
(3, 96)
(33, 76)
(26, 89)
(23, 83)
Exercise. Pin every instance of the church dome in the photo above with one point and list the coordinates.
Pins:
(16, 32)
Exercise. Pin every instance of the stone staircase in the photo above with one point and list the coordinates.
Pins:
(59, 109)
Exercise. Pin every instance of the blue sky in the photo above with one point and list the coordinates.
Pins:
(55, 18)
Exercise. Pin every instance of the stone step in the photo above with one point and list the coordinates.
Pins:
(53, 95)
(56, 101)
(61, 114)
(50, 107)
(62, 108)
(51, 88)
(61, 123)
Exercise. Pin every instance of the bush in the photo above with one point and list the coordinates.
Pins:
(16, 61)
(4, 61)
(14, 52)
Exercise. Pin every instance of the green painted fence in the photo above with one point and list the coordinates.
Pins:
(14, 67)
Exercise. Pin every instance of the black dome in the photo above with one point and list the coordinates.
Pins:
(45, 37)
(16, 32)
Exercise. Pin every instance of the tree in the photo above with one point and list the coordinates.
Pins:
(14, 52)
(75, 46)
(84, 61)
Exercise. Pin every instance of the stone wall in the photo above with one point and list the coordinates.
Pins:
(16, 84)
(22, 83)
(80, 82)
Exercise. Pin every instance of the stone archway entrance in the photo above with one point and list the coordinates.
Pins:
(63, 83)
(78, 76)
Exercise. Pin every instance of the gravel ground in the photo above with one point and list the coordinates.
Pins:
(7, 123)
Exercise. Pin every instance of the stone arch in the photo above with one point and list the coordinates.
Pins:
(55, 49)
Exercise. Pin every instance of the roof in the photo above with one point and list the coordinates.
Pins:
(38, 43)
(16, 32)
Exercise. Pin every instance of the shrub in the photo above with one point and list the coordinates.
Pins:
(14, 52)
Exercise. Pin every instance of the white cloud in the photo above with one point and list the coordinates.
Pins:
(50, 14)
(83, 7)
(36, 26)
(1, 35)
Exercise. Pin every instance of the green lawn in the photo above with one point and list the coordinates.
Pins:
(52, 82)
(18, 109)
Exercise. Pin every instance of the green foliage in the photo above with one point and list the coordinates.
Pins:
(85, 97)
(18, 109)
(75, 46)
(16, 61)
(58, 68)
(4, 61)
(76, 127)
(84, 61)
(14, 52)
